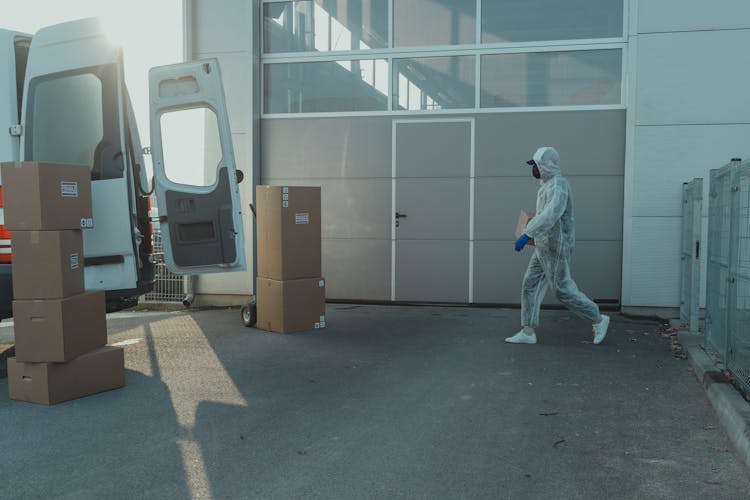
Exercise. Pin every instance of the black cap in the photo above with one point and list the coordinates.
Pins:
(531, 162)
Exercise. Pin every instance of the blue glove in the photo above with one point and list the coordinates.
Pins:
(521, 242)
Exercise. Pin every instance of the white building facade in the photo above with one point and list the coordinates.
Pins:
(429, 109)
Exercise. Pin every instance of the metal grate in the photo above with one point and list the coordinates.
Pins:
(738, 318)
(168, 287)
(717, 276)
(690, 272)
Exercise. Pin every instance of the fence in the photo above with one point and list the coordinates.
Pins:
(690, 271)
(728, 273)
(168, 287)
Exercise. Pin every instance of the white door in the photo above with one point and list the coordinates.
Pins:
(433, 186)
(194, 169)
(74, 104)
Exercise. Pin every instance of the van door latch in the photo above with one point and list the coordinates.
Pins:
(15, 130)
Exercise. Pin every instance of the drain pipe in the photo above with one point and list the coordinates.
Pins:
(190, 297)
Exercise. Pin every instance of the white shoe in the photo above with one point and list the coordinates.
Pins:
(522, 338)
(600, 329)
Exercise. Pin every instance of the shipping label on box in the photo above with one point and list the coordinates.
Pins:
(39, 196)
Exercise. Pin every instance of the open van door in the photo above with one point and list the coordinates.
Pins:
(200, 214)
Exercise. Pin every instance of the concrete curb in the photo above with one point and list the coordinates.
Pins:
(731, 408)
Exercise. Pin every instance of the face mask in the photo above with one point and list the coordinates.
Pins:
(535, 172)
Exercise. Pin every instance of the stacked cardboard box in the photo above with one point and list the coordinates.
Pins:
(290, 290)
(60, 329)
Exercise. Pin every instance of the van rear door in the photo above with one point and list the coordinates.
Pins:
(194, 169)
(73, 112)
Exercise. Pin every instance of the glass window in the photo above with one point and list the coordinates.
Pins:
(67, 123)
(325, 25)
(191, 146)
(434, 83)
(541, 20)
(434, 22)
(583, 77)
(331, 86)
(73, 117)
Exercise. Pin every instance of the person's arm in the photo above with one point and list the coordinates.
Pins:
(543, 222)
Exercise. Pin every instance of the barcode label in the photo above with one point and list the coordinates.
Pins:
(303, 218)
(74, 261)
(87, 223)
(69, 189)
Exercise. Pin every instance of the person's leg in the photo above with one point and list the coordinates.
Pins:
(532, 292)
(568, 293)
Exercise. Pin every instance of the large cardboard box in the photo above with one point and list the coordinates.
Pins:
(523, 219)
(58, 330)
(47, 264)
(46, 196)
(291, 305)
(288, 232)
(50, 383)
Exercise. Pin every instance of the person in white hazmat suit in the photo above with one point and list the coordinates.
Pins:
(553, 231)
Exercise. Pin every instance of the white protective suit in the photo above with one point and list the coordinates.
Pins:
(554, 238)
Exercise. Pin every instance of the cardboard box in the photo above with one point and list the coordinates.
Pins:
(58, 330)
(47, 264)
(523, 219)
(288, 232)
(46, 196)
(51, 383)
(292, 305)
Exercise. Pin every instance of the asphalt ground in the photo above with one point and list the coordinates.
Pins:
(386, 402)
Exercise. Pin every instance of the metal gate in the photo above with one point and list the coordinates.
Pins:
(690, 270)
(168, 287)
(728, 276)
(738, 322)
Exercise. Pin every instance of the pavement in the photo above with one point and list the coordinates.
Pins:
(386, 402)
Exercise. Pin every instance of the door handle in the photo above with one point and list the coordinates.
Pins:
(400, 216)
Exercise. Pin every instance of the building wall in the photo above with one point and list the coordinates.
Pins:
(688, 112)
(351, 159)
(224, 30)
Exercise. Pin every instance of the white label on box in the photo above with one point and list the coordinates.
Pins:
(284, 196)
(322, 324)
(317, 326)
(321, 283)
(69, 189)
(303, 218)
(87, 222)
(74, 261)
(322, 319)
(285, 190)
(285, 204)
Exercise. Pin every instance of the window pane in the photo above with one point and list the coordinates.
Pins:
(67, 123)
(551, 78)
(540, 20)
(73, 117)
(319, 87)
(434, 22)
(191, 146)
(433, 83)
(324, 25)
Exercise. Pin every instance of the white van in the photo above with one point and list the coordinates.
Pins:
(75, 108)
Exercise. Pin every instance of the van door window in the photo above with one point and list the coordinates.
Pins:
(191, 146)
(72, 117)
